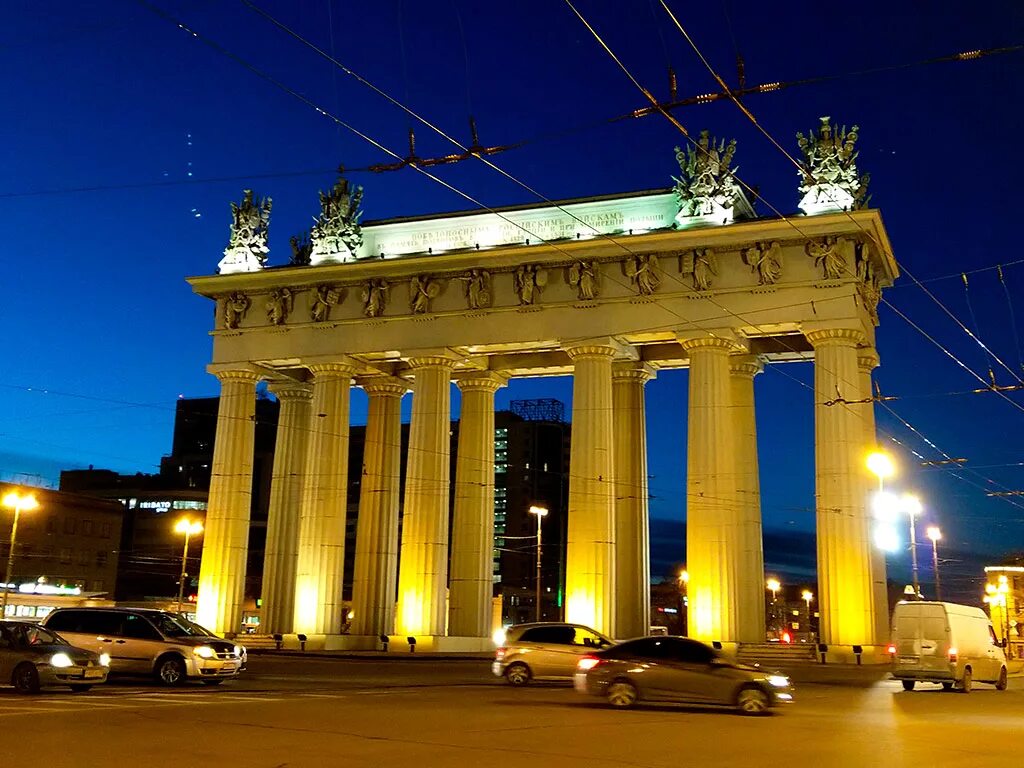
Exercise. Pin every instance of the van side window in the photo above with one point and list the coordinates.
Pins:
(137, 628)
(64, 621)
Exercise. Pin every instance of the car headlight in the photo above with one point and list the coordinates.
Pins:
(104, 659)
(239, 651)
(61, 660)
(779, 681)
(205, 652)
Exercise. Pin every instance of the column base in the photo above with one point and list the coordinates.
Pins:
(870, 655)
(441, 644)
(332, 643)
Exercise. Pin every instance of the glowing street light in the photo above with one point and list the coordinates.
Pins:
(541, 513)
(881, 465)
(189, 528)
(19, 503)
(684, 577)
(807, 596)
(774, 586)
(933, 533)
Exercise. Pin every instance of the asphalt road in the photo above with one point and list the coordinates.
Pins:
(425, 713)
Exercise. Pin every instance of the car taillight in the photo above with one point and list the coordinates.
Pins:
(952, 655)
(499, 654)
(892, 650)
(587, 663)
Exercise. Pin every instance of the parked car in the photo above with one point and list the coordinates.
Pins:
(946, 643)
(148, 642)
(32, 657)
(544, 650)
(677, 669)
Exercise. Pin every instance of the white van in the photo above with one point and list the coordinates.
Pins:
(945, 643)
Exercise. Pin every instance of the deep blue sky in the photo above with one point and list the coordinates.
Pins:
(107, 94)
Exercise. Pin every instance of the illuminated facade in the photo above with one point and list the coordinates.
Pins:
(608, 290)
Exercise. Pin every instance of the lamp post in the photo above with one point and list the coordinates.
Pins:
(935, 534)
(807, 596)
(912, 506)
(774, 586)
(881, 465)
(541, 513)
(189, 528)
(19, 503)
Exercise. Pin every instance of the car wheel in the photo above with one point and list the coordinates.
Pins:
(212, 682)
(966, 683)
(622, 694)
(947, 686)
(517, 674)
(25, 678)
(170, 671)
(753, 701)
(78, 688)
(908, 685)
(1001, 682)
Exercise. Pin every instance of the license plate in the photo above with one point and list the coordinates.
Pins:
(94, 673)
(904, 660)
(228, 666)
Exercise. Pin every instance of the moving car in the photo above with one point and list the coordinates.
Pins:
(148, 642)
(544, 650)
(32, 657)
(946, 643)
(681, 670)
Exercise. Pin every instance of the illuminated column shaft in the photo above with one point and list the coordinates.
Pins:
(632, 536)
(277, 612)
(750, 581)
(714, 520)
(226, 540)
(590, 548)
(321, 557)
(472, 576)
(376, 564)
(423, 566)
(845, 589)
(867, 361)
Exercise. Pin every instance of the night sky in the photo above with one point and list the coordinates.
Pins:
(125, 138)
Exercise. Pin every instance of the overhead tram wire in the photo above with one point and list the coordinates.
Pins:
(1013, 318)
(307, 101)
(802, 168)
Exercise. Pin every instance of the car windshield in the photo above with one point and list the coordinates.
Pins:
(25, 635)
(178, 626)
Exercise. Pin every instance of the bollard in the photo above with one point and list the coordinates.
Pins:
(822, 649)
(716, 644)
(384, 642)
(278, 640)
(302, 642)
(857, 651)
(412, 644)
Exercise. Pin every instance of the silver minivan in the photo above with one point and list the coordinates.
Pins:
(544, 650)
(161, 644)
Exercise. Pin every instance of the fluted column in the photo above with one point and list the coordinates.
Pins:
(376, 564)
(750, 582)
(321, 558)
(590, 548)
(867, 361)
(845, 589)
(226, 538)
(632, 536)
(423, 566)
(714, 520)
(471, 582)
(281, 553)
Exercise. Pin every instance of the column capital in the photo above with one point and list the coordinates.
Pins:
(844, 337)
(234, 372)
(867, 359)
(432, 361)
(487, 381)
(383, 386)
(630, 371)
(745, 365)
(289, 389)
(583, 350)
(333, 370)
(725, 340)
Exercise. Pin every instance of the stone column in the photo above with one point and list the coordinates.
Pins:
(321, 558)
(845, 589)
(751, 584)
(226, 538)
(632, 536)
(867, 361)
(278, 609)
(714, 520)
(590, 549)
(423, 566)
(376, 565)
(471, 583)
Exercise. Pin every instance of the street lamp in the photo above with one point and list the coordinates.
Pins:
(881, 465)
(807, 596)
(541, 513)
(935, 535)
(19, 503)
(912, 506)
(189, 528)
(774, 586)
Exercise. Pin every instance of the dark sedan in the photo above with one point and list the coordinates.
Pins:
(681, 670)
(32, 656)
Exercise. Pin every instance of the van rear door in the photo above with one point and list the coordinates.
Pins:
(907, 635)
(935, 638)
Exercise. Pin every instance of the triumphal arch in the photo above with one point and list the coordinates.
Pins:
(608, 290)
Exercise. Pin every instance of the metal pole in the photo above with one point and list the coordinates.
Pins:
(539, 518)
(913, 557)
(10, 561)
(935, 568)
(181, 581)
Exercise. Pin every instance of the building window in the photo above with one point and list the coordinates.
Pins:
(65, 555)
(97, 586)
(83, 557)
(101, 558)
(105, 530)
(87, 527)
(69, 526)
(51, 524)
